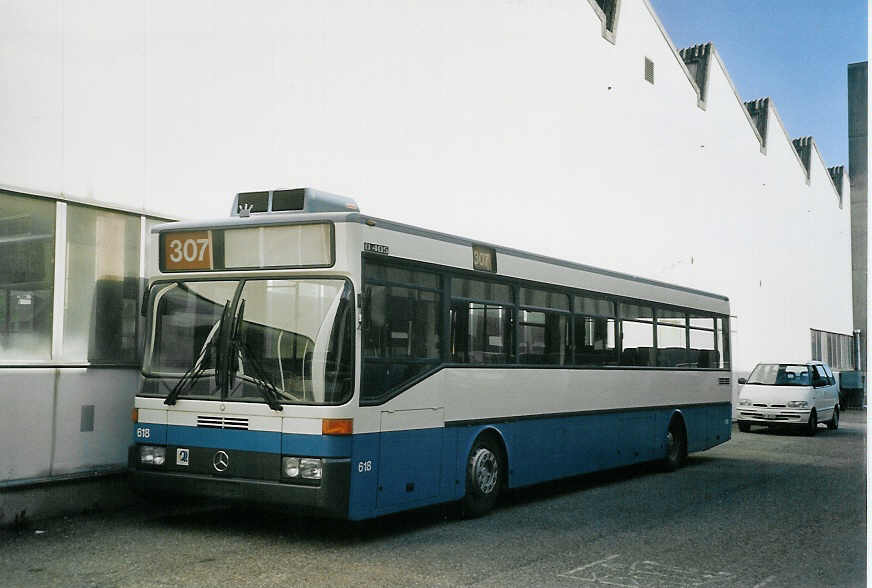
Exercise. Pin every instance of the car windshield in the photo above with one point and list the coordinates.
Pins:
(780, 374)
(294, 337)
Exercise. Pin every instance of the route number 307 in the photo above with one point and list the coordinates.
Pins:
(190, 250)
(364, 466)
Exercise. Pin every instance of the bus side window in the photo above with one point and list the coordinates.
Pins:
(481, 332)
(401, 327)
(544, 327)
(637, 335)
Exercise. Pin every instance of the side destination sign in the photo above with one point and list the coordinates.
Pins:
(484, 259)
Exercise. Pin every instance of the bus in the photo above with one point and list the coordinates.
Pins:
(299, 353)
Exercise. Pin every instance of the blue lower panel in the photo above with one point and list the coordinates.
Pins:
(555, 447)
(400, 470)
(263, 441)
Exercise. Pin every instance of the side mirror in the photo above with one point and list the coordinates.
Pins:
(743, 381)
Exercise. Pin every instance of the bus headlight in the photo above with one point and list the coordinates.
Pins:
(291, 466)
(152, 455)
(310, 469)
(797, 403)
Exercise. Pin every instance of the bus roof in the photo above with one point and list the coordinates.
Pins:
(273, 219)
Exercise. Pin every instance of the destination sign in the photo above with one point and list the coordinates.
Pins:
(187, 250)
(484, 259)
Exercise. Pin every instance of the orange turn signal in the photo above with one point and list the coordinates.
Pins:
(337, 426)
(134, 415)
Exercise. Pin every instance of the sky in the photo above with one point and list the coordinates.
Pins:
(794, 51)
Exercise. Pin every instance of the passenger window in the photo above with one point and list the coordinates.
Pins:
(544, 333)
(595, 341)
(637, 335)
(544, 338)
(595, 331)
(481, 332)
(401, 327)
(722, 334)
(703, 350)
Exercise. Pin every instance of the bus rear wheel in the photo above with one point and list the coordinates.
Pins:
(484, 477)
(676, 446)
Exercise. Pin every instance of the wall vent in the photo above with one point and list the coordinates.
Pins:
(649, 70)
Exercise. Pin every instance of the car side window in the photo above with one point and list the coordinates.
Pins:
(820, 376)
(830, 374)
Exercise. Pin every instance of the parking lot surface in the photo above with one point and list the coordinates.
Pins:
(768, 508)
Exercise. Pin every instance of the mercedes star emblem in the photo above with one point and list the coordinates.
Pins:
(220, 461)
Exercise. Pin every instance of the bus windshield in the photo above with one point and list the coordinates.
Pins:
(780, 374)
(294, 337)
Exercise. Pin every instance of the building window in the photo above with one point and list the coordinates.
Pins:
(102, 294)
(609, 13)
(833, 348)
(27, 234)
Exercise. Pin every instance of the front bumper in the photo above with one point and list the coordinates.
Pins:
(773, 415)
(329, 499)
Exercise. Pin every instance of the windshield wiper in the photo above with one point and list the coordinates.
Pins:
(197, 369)
(264, 384)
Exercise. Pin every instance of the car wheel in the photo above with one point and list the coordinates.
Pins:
(834, 422)
(484, 476)
(744, 427)
(676, 446)
(811, 428)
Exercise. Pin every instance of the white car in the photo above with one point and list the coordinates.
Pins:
(799, 394)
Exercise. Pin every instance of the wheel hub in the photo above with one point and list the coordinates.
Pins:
(485, 470)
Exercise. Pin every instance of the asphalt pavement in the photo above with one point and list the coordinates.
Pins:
(768, 508)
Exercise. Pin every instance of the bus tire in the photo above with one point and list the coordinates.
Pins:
(676, 445)
(484, 477)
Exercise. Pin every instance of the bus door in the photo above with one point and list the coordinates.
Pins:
(410, 449)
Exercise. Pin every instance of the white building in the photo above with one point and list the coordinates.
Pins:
(572, 129)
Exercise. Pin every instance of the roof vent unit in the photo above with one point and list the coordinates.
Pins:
(290, 201)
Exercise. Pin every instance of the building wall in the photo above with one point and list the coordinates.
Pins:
(858, 154)
(514, 123)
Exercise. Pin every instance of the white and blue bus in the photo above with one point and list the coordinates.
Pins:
(300, 353)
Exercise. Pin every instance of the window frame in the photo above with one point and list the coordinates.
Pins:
(448, 273)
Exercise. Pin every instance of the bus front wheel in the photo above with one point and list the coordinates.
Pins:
(484, 477)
